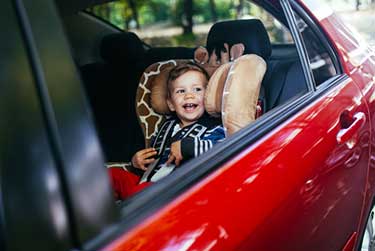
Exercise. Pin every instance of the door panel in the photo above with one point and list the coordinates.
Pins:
(359, 64)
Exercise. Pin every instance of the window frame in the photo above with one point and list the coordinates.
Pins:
(321, 35)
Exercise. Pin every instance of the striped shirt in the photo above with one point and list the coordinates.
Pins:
(196, 139)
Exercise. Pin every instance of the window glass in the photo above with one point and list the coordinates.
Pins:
(319, 58)
(162, 22)
(358, 15)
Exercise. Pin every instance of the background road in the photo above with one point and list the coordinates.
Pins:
(363, 21)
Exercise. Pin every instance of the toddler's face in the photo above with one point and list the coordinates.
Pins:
(187, 96)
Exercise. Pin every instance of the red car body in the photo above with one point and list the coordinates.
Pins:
(298, 188)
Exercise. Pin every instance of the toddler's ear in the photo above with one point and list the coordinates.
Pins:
(201, 55)
(236, 51)
(170, 105)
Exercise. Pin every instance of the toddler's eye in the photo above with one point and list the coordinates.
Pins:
(180, 91)
(197, 89)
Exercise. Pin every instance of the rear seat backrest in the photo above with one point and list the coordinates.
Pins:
(111, 87)
(283, 80)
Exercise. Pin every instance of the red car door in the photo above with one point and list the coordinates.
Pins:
(359, 65)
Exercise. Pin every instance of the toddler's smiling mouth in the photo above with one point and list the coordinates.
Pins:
(189, 106)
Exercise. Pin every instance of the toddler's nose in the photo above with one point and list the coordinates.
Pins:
(189, 95)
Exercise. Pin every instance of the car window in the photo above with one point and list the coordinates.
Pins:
(320, 60)
(159, 22)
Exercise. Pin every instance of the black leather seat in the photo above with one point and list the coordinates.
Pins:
(111, 87)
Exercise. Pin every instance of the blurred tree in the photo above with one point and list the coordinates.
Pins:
(160, 10)
(187, 17)
(239, 9)
(134, 9)
(126, 15)
(213, 11)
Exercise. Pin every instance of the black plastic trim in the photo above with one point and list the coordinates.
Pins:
(2, 218)
(301, 49)
(47, 111)
(271, 9)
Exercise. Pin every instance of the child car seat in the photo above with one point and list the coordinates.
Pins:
(233, 96)
(233, 89)
(151, 107)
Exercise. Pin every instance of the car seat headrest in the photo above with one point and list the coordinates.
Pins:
(233, 92)
(124, 48)
(251, 33)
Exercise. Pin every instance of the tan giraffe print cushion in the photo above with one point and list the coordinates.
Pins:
(151, 105)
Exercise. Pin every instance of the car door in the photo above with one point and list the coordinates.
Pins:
(295, 179)
(360, 60)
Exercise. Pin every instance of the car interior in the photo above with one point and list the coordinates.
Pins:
(111, 62)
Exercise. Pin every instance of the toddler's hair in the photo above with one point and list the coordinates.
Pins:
(179, 70)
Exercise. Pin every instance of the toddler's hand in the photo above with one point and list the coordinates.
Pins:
(141, 159)
(175, 156)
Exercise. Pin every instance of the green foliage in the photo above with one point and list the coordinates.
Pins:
(177, 12)
(186, 39)
(202, 11)
(154, 11)
(156, 16)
